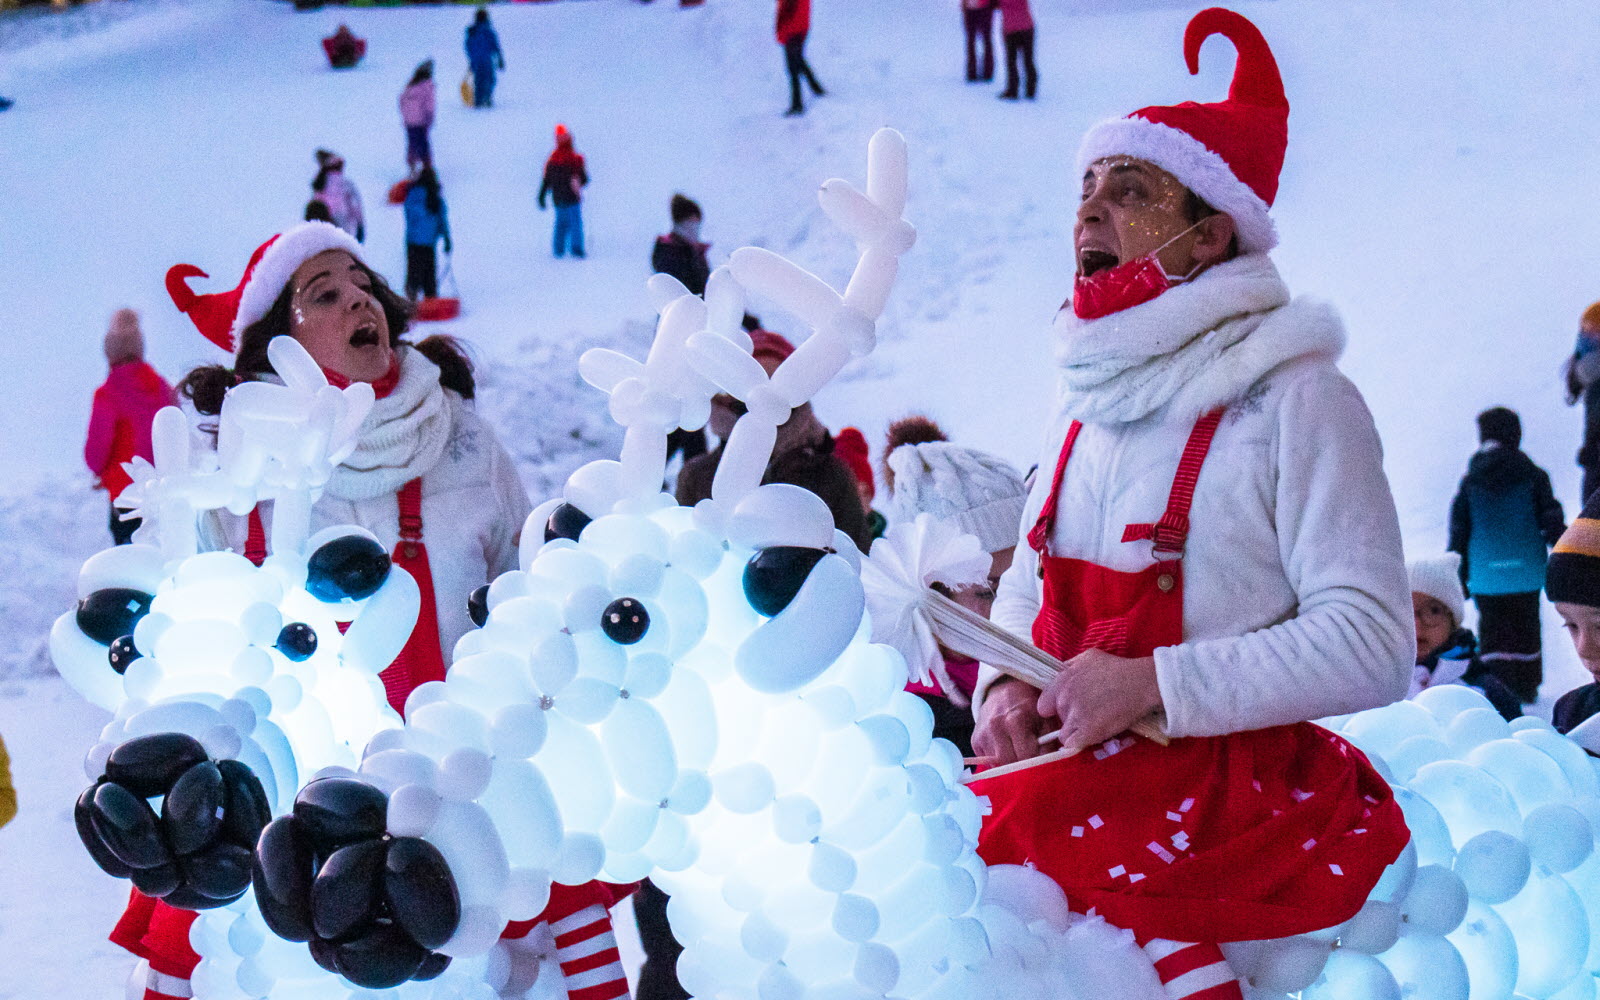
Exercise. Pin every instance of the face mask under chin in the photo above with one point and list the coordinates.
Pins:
(1126, 285)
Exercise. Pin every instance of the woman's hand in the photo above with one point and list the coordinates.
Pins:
(1098, 695)
(1009, 725)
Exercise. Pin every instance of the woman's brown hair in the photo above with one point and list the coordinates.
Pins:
(205, 386)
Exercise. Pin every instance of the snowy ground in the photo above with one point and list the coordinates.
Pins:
(1437, 189)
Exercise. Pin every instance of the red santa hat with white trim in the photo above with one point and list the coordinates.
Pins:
(222, 316)
(1229, 153)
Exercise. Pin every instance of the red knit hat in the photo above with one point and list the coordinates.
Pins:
(222, 316)
(851, 447)
(1229, 153)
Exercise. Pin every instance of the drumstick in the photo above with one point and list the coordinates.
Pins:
(1021, 765)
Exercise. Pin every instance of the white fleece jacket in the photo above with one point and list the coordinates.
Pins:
(1296, 600)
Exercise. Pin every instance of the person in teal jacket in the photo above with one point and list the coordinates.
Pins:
(427, 222)
(1503, 521)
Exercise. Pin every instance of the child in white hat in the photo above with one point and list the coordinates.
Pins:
(1447, 653)
(983, 496)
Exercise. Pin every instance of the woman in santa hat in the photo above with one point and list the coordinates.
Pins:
(428, 476)
(1211, 541)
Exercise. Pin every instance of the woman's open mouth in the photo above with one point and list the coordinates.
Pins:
(1091, 261)
(366, 335)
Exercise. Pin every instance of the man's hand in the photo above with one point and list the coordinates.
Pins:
(1009, 725)
(1098, 695)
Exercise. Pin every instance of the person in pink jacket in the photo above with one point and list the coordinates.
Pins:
(1016, 27)
(416, 114)
(124, 406)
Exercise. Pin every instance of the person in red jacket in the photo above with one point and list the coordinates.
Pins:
(1016, 27)
(124, 406)
(794, 23)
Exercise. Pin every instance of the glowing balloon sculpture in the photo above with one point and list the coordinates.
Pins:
(692, 695)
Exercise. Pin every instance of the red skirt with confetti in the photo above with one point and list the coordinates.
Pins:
(1253, 835)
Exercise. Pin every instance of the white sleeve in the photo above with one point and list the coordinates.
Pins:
(514, 508)
(1350, 644)
(1016, 602)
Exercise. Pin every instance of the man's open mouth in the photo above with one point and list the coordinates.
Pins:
(1092, 261)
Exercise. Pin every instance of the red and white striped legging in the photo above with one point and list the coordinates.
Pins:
(1193, 971)
(586, 949)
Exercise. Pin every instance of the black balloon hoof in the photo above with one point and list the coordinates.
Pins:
(382, 958)
(82, 818)
(191, 813)
(773, 576)
(432, 967)
(282, 873)
(347, 895)
(127, 827)
(245, 811)
(334, 812)
(421, 893)
(107, 615)
(352, 567)
(149, 765)
(221, 872)
(160, 881)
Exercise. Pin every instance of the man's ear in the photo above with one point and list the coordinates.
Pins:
(1214, 238)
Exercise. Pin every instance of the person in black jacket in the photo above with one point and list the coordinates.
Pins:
(1502, 522)
(564, 178)
(680, 253)
(1582, 372)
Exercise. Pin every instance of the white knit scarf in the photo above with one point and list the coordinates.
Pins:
(402, 437)
(1198, 346)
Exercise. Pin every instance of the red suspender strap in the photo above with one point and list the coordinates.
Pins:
(255, 539)
(421, 660)
(1039, 534)
(1172, 532)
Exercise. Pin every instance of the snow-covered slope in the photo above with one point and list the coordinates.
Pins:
(1438, 189)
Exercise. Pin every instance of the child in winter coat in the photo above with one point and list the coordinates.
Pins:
(680, 253)
(1583, 382)
(1502, 522)
(124, 406)
(338, 192)
(416, 114)
(484, 57)
(564, 180)
(794, 24)
(1446, 652)
(1572, 582)
(983, 496)
(427, 223)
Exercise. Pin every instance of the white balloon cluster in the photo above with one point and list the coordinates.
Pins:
(1498, 894)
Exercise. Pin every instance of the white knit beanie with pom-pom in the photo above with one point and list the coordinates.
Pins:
(1440, 578)
(981, 494)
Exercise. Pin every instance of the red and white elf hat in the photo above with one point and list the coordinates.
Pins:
(1229, 153)
(222, 316)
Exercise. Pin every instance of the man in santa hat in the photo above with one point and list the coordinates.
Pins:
(1211, 541)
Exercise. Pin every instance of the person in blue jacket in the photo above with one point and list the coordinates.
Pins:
(484, 57)
(1502, 522)
(427, 222)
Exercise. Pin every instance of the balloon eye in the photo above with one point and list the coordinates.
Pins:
(297, 641)
(625, 621)
(352, 567)
(107, 615)
(774, 575)
(478, 605)
(566, 521)
(121, 653)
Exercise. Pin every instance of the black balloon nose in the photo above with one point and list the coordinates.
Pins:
(352, 567)
(774, 575)
(566, 521)
(107, 615)
(297, 641)
(625, 621)
(122, 653)
(478, 605)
